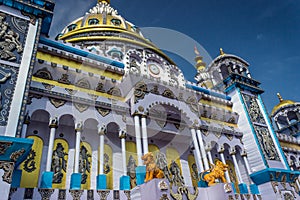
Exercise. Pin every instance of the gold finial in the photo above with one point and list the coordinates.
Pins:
(107, 1)
(221, 52)
(279, 97)
(200, 65)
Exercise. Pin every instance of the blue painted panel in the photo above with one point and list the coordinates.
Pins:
(254, 189)
(243, 188)
(206, 91)
(101, 182)
(124, 183)
(46, 180)
(75, 181)
(140, 174)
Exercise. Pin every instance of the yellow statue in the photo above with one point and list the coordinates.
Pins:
(217, 172)
(152, 171)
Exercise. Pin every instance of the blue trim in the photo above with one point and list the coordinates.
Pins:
(124, 183)
(75, 181)
(254, 189)
(101, 182)
(81, 53)
(46, 180)
(252, 128)
(272, 174)
(206, 91)
(140, 172)
(274, 135)
(243, 188)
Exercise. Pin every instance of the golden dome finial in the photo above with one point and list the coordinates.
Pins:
(200, 65)
(107, 1)
(221, 52)
(279, 97)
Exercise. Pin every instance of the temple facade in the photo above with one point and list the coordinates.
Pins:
(80, 114)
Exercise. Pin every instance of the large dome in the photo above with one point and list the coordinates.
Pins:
(103, 23)
(282, 104)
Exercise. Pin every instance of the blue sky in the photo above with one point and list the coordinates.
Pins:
(266, 33)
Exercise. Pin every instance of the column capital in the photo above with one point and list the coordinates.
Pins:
(221, 149)
(102, 129)
(122, 134)
(53, 122)
(232, 151)
(26, 119)
(79, 126)
(244, 153)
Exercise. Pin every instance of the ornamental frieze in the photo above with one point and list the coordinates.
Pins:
(8, 168)
(4, 145)
(12, 37)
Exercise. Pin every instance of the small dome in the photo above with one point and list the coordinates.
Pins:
(283, 103)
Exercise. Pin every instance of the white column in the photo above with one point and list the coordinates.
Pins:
(78, 129)
(209, 156)
(122, 136)
(53, 126)
(102, 131)
(144, 134)
(138, 139)
(244, 155)
(198, 155)
(236, 167)
(202, 148)
(221, 153)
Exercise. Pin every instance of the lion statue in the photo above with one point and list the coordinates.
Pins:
(152, 170)
(217, 172)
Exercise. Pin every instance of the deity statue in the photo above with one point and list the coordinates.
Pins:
(84, 164)
(131, 171)
(59, 163)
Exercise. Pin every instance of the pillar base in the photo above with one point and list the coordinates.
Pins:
(202, 183)
(233, 188)
(124, 183)
(140, 174)
(243, 188)
(254, 189)
(101, 182)
(75, 181)
(46, 181)
(16, 178)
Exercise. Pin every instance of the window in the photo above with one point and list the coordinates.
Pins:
(72, 27)
(116, 22)
(93, 21)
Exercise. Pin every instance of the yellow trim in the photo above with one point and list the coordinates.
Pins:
(30, 179)
(206, 102)
(219, 122)
(72, 87)
(103, 27)
(95, 38)
(290, 145)
(75, 65)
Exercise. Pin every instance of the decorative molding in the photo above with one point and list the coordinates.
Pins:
(90, 195)
(164, 197)
(103, 194)
(4, 145)
(102, 111)
(81, 107)
(140, 90)
(61, 194)
(127, 194)
(76, 194)
(57, 102)
(8, 168)
(46, 193)
(115, 91)
(16, 155)
(169, 94)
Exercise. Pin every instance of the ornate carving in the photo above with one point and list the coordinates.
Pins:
(16, 155)
(177, 178)
(11, 192)
(155, 90)
(76, 194)
(169, 94)
(9, 41)
(275, 186)
(100, 87)
(114, 91)
(81, 107)
(164, 197)
(84, 164)
(127, 193)
(57, 102)
(131, 171)
(46, 193)
(62, 194)
(195, 174)
(71, 92)
(288, 196)
(106, 164)
(193, 104)
(8, 168)
(227, 188)
(64, 79)
(43, 73)
(4, 145)
(83, 83)
(53, 122)
(90, 195)
(103, 194)
(59, 163)
(162, 185)
(102, 111)
(134, 67)
(140, 91)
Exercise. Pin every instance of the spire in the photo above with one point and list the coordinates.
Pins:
(221, 52)
(107, 1)
(279, 97)
(200, 65)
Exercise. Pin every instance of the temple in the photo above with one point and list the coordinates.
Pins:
(102, 113)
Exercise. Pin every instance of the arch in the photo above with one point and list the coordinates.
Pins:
(153, 148)
(131, 160)
(59, 163)
(91, 124)
(292, 116)
(66, 120)
(85, 165)
(193, 170)
(40, 116)
(31, 165)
